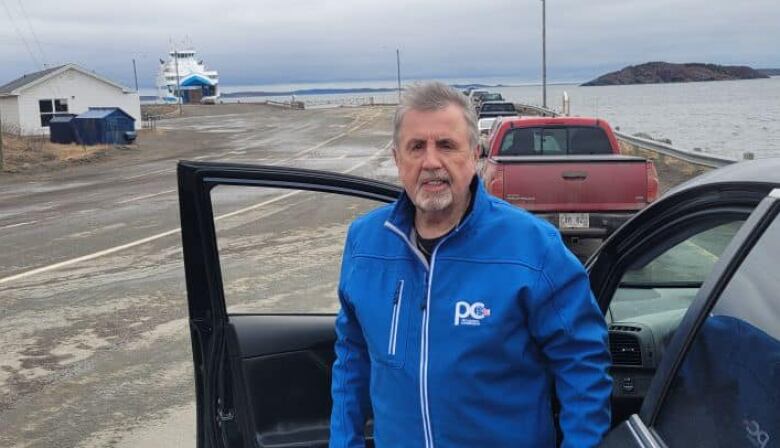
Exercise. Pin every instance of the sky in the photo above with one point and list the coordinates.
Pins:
(294, 41)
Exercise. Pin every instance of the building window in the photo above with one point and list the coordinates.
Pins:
(52, 108)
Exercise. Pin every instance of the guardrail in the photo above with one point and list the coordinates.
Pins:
(698, 158)
(287, 104)
(524, 109)
(353, 100)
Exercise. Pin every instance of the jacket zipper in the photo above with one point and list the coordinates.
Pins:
(426, 304)
(397, 299)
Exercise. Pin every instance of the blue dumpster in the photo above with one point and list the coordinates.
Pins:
(103, 125)
(61, 129)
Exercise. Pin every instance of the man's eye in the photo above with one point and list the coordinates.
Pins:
(418, 145)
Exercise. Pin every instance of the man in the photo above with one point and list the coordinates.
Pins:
(459, 312)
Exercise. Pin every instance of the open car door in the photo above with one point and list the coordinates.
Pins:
(719, 383)
(262, 248)
(648, 273)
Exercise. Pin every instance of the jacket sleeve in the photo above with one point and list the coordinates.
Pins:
(350, 380)
(571, 332)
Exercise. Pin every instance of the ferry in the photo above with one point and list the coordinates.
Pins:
(197, 85)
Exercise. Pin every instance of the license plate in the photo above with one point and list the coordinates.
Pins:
(574, 220)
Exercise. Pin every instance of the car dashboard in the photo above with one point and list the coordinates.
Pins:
(637, 347)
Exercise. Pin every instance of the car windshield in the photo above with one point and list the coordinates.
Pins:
(493, 97)
(670, 280)
(574, 140)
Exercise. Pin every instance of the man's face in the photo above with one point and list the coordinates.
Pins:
(434, 160)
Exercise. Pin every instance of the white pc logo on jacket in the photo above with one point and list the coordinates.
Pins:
(470, 313)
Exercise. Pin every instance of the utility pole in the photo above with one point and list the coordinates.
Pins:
(398, 65)
(544, 54)
(1, 144)
(178, 81)
(135, 74)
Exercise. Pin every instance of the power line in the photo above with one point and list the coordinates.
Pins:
(21, 36)
(32, 31)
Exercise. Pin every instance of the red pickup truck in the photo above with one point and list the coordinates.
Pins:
(568, 171)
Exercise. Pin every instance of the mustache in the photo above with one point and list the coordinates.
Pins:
(436, 175)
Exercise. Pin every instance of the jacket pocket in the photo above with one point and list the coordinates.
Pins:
(396, 333)
(392, 345)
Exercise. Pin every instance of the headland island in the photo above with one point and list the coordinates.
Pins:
(665, 72)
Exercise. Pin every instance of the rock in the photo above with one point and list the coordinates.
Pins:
(664, 72)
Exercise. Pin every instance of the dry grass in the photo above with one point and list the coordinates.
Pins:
(158, 110)
(36, 153)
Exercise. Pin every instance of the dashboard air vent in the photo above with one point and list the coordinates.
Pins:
(625, 349)
(625, 328)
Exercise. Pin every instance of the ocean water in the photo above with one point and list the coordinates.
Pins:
(725, 118)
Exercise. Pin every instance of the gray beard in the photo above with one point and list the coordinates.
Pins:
(436, 202)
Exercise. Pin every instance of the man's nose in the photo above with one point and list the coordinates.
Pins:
(431, 157)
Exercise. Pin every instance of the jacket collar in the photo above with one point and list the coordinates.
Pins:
(402, 215)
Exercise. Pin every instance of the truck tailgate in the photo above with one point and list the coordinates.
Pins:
(608, 183)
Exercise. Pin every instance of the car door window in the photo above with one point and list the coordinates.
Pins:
(726, 392)
(667, 282)
(280, 250)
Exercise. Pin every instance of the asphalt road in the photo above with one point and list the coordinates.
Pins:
(96, 350)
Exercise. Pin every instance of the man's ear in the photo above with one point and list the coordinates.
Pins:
(395, 154)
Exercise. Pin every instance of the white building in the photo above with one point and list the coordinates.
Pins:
(28, 103)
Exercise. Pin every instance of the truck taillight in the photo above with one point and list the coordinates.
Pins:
(496, 186)
(652, 182)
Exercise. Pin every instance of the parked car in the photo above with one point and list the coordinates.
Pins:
(490, 96)
(493, 96)
(496, 109)
(570, 172)
(688, 288)
(475, 96)
(484, 125)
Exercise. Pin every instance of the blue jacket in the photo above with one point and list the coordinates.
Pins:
(465, 352)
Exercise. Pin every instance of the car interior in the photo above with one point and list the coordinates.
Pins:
(650, 300)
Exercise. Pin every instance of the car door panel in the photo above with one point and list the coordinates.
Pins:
(259, 335)
(284, 363)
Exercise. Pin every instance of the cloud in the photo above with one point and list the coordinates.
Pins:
(295, 40)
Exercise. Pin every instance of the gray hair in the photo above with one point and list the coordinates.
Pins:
(431, 96)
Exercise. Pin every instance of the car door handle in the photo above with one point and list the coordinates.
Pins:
(574, 175)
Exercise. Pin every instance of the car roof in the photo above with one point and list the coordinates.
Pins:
(555, 121)
(762, 171)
